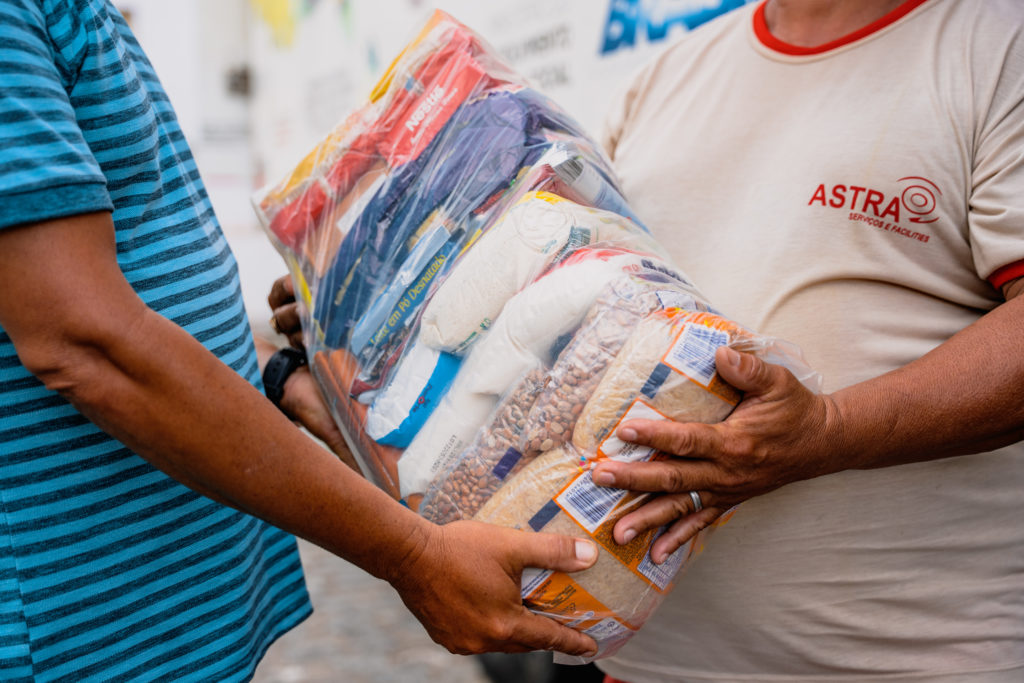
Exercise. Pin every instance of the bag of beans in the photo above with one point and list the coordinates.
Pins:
(581, 365)
(481, 469)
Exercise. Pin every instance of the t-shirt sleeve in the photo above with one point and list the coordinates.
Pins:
(616, 119)
(46, 167)
(996, 209)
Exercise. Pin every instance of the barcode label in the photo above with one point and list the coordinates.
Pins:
(673, 299)
(532, 578)
(588, 503)
(693, 354)
(607, 629)
(660, 575)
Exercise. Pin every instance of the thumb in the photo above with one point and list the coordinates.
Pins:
(744, 371)
(553, 551)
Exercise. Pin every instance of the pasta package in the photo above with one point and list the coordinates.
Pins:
(481, 308)
(666, 370)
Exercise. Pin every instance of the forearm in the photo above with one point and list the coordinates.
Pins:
(962, 397)
(303, 403)
(160, 392)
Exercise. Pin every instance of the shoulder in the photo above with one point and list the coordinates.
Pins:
(50, 31)
(992, 35)
(1003, 11)
(986, 24)
(720, 34)
(649, 86)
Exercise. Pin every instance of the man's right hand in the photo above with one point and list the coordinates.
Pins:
(462, 582)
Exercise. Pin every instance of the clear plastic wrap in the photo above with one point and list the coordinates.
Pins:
(481, 308)
(548, 420)
(522, 338)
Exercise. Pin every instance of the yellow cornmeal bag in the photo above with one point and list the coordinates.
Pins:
(666, 369)
(607, 601)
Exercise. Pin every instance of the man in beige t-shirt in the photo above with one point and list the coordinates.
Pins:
(849, 176)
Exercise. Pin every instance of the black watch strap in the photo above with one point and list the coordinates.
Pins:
(280, 366)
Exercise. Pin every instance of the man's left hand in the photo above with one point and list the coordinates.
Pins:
(779, 433)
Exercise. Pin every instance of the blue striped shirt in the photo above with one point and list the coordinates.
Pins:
(110, 570)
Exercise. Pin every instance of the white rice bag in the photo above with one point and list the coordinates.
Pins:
(539, 229)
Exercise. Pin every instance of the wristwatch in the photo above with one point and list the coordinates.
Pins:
(279, 368)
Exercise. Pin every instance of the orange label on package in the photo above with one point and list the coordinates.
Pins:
(557, 595)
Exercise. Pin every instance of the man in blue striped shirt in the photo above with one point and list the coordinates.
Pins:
(137, 455)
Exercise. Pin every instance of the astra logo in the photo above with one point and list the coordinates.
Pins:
(915, 202)
(918, 197)
(628, 19)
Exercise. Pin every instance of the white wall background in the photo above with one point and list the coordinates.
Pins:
(315, 61)
(310, 62)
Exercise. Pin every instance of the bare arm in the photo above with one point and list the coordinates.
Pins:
(781, 432)
(303, 403)
(910, 415)
(80, 328)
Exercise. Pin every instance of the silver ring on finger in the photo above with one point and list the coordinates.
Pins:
(697, 505)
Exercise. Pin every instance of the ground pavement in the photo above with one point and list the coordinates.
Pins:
(360, 632)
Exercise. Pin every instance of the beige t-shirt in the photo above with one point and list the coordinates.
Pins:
(859, 200)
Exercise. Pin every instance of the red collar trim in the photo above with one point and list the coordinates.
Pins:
(773, 43)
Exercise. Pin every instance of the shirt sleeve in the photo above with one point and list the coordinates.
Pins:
(617, 117)
(46, 167)
(996, 209)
